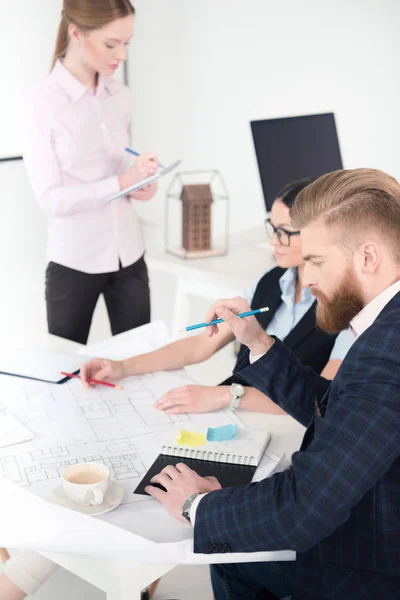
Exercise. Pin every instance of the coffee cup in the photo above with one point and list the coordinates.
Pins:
(86, 483)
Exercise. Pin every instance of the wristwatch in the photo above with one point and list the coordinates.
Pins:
(187, 506)
(237, 390)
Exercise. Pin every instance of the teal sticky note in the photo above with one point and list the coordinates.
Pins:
(221, 434)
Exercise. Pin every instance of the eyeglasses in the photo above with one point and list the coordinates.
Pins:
(282, 234)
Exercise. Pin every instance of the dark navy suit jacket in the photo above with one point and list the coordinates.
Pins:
(338, 506)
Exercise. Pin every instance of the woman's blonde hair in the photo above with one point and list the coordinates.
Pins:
(87, 15)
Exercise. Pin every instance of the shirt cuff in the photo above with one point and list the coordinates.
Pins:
(254, 357)
(103, 189)
(193, 508)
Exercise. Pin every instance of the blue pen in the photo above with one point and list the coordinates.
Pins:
(216, 321)
(137, 154)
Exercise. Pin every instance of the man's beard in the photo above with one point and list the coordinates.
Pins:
(335, 315)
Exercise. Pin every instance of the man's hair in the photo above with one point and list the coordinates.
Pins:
(355, 202)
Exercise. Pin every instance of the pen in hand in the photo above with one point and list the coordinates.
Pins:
(216, 321)
(137, 154)
(96, 381)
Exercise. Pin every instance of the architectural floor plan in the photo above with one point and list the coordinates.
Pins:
(119, 428)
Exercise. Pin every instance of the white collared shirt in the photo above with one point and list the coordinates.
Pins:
(74, 150)
(370, 312)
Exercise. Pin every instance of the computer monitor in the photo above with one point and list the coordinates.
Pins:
(294, 148)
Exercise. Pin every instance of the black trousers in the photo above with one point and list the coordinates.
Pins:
(71, 297)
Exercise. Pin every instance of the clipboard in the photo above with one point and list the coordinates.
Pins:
(141, 184)
(41, 364)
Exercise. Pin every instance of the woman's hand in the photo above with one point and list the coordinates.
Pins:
(145, 193)
(102, 369)
(144, 166)
(194, 399)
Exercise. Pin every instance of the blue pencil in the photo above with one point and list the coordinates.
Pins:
(137, 154)
(216, 321)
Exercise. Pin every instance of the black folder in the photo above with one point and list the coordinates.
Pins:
(228, 474)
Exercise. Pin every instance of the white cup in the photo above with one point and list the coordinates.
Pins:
(86, 483)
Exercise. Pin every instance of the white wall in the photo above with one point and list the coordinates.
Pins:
(28, 35)
(202, 69)
(27, 40)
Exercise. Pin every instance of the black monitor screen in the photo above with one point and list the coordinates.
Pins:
(294, 148)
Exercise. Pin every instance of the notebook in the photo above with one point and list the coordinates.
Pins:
(41, 364)
(232, 462)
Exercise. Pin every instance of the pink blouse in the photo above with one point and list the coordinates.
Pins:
(74, 150)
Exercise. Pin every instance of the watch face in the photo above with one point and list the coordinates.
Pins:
(237, 389)
(186, 516)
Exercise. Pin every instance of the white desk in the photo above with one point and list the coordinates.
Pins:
(123, 579)
(248, 257)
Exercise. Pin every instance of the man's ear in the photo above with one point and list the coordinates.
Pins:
(371, 257)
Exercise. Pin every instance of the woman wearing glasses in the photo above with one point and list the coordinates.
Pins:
(291, 318)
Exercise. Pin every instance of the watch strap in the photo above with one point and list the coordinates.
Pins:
(187, 506)
(235, 403)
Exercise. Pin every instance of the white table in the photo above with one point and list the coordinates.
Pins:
(124, 580)
(248, 257)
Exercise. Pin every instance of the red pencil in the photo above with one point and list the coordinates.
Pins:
(117, 387)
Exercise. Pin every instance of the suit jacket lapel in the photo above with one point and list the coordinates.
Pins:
(391, 305)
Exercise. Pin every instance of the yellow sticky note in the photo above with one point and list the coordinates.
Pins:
(191, 439)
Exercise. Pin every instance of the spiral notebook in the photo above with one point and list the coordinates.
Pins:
(232, 462)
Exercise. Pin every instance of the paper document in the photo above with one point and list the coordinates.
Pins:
(130, 343)
(141, 184)
(41, 364)
(119, 428)
(11, 430)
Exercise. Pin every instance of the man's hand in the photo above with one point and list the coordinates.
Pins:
(247, 330)
(194, 399)
(181, 483)
(101, 369)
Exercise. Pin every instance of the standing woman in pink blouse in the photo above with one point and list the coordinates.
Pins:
(76, 130)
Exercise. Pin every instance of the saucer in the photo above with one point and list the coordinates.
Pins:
(113, 498)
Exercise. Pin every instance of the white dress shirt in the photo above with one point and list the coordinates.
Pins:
(74, 150)
(370, 312)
